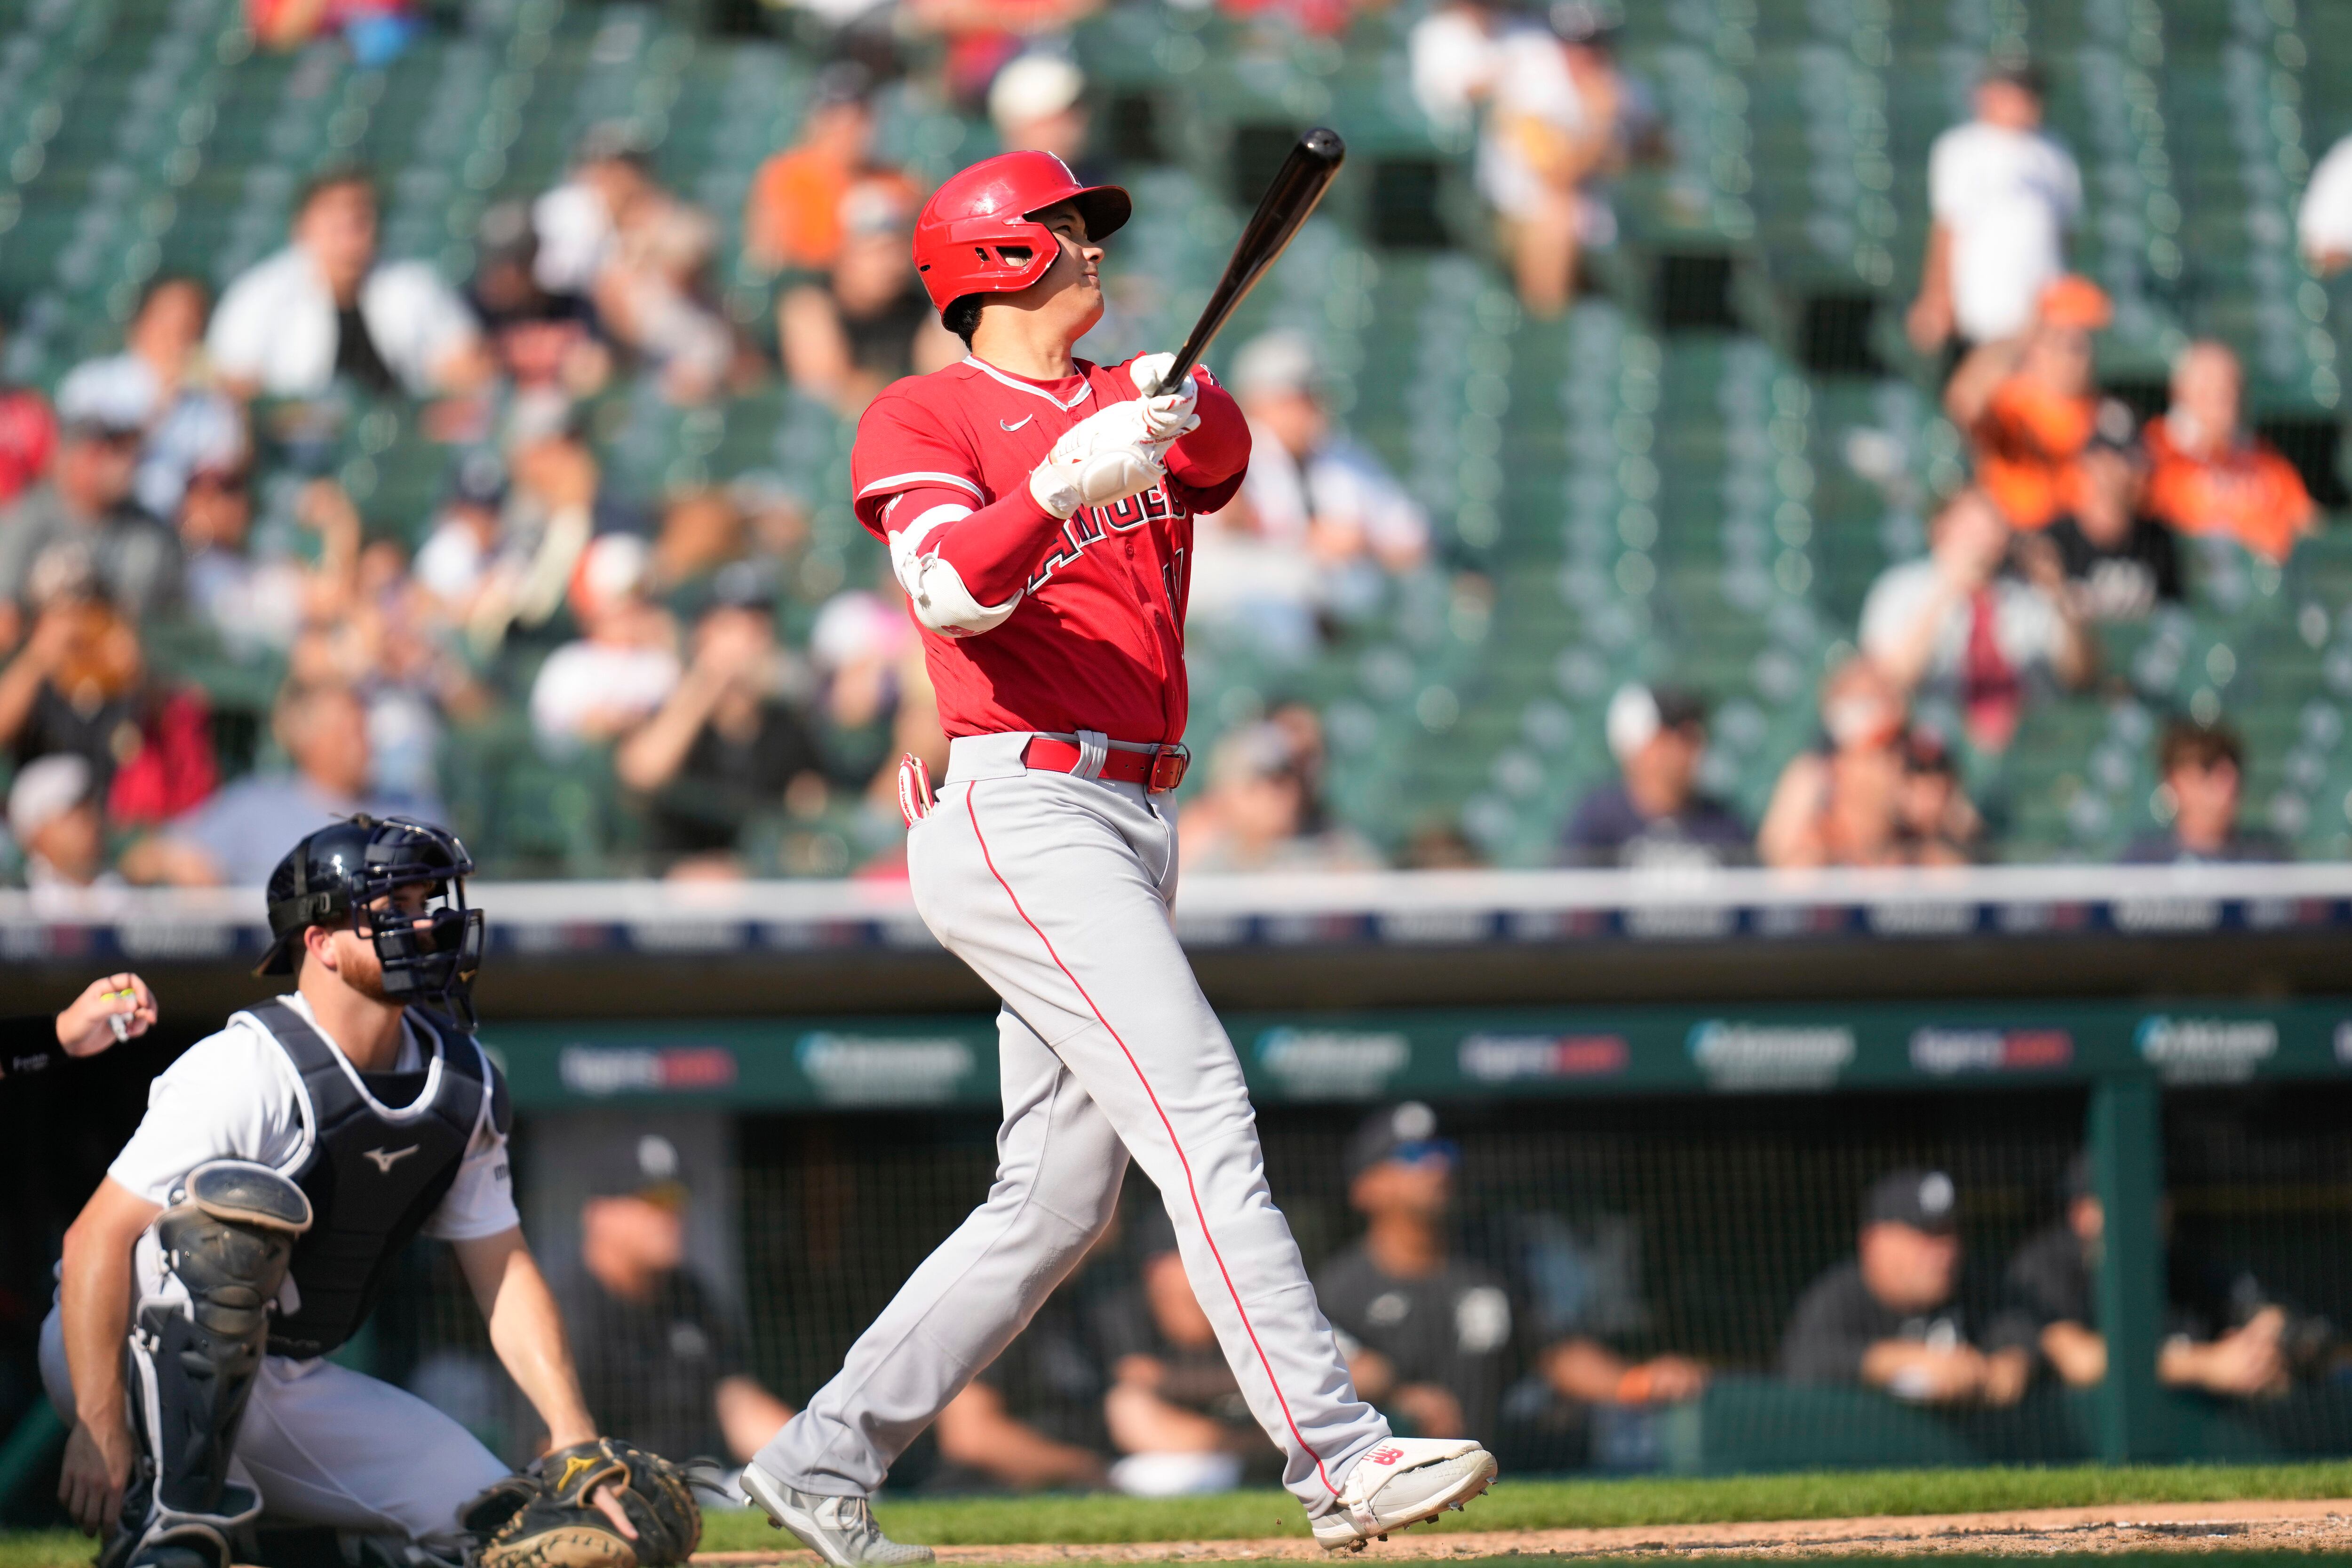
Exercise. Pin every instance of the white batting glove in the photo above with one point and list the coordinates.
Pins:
(1105, 457)
(1170, 415)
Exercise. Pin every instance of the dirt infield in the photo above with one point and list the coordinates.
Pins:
(2323, 1526)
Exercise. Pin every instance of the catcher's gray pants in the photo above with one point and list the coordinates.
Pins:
(1055, 890)
(323, 1444)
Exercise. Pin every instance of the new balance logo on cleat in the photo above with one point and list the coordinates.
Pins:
(1403, 1482)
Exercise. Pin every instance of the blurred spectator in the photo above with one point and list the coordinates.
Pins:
(1032, 1420)
(725, 746)
(1869, 794)
(1175, 1409)
(1037, 103)
(1654, 817)
(877, 700)
(260, 602)
(870, 322)
(2204, 781)
(325, 308)
(793, 215)
(378, 31)
(1890, 1318)
(466, 543)
(517, 567)
(1562, 119)
(235, 838)
(53, 815)
(543, 344)
(1456, 52)
(28, 433)
(1255, 812)
(1319, 520)
(81, 522)
(624, 667)
(2324, 222)
(2212, 1343)
(81, 686)
(2029, 405)
(2212, 475)
(1935, 820)
(2001, 195)
(611, 234)
(155, 381)
(660, 1364)
(1955, 623)
(1430, 1336)
(2120, 562)
(702, 532)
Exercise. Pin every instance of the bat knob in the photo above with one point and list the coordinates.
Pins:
(1324, 144)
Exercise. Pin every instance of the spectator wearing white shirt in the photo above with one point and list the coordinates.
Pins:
(612, 235)
(603, 687)
(2001, 195)
(1455, 54)
(1562, 118)
(2324, 222)
(1953, 623)
(160, 374)
(1319, 521)
(326, 307)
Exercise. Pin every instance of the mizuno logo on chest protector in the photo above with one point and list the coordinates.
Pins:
(384, 1159)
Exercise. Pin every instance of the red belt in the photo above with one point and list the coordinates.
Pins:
(1158, 769)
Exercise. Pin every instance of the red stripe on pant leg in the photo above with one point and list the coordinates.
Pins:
(1190, 1188)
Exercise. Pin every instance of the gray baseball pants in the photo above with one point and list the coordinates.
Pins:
(1056, 889)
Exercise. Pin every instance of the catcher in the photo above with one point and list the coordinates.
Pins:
(252, 1222)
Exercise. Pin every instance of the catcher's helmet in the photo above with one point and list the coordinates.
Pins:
(339, 872)
(965, 231)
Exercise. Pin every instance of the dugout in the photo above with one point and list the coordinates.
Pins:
(1668, 1099)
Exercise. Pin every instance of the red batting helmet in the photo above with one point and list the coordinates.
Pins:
(964, 231)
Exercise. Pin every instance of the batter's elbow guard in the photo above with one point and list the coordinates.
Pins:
(944, 604)
(196, 1346)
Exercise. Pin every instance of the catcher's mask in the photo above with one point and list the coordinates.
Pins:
(399, 883)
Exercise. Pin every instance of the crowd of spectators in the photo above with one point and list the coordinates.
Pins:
(164, 522)
(167, 510)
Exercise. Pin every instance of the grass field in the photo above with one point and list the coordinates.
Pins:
(1513, 1505)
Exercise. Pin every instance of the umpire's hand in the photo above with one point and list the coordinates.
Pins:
(89, 1026)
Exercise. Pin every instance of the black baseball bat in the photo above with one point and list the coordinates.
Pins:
(1297, 185)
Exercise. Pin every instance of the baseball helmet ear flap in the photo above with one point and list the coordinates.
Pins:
(978, 233)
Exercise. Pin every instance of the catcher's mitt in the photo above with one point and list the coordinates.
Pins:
(542, 1518)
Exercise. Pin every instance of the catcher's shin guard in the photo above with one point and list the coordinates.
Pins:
(194, 1347)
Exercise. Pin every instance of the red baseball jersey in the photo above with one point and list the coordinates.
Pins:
(1096, 641)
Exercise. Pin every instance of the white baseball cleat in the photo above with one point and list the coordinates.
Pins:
(841, 1529)
(1404, 1481)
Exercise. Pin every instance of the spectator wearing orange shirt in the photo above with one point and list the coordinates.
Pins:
(2211, 476)
(791, 219)
(2031, 405)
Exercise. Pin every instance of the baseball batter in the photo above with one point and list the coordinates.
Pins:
(1038, 510)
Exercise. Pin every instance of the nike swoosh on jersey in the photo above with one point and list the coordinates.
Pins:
(1016, 424)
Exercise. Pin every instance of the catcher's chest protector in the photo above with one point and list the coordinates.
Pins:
(375, 1169)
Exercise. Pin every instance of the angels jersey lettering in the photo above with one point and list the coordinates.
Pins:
(1098, 640)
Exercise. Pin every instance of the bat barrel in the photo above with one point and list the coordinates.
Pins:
(1298, 186)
